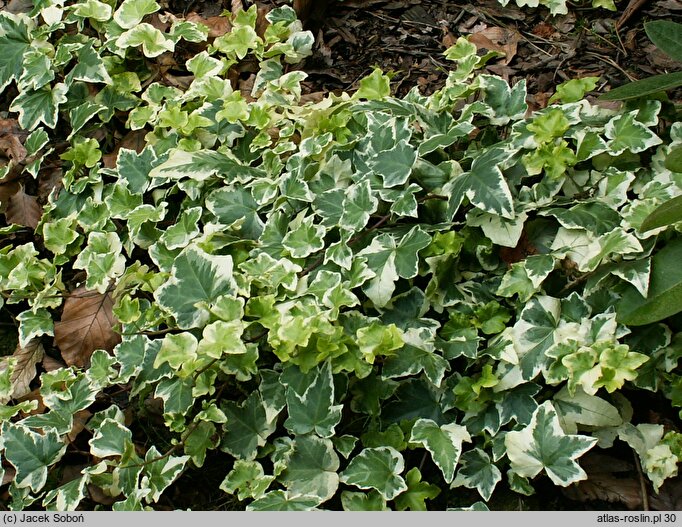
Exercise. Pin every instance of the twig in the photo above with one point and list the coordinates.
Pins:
(642, 482)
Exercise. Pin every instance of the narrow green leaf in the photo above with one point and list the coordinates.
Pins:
(644, 87)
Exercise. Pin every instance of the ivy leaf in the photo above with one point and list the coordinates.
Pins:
(31, 453)
(14, 41)
(374, 86)
(197, 281)
(377, 468)
(311, 468)
(102, 260)
(278, 500)
(444, 443)
(310, 401)
(131, 12)
(363, 501)
(39, 106)
(483, 184)
(134, 168)
(390, 260)
(304, 239)
(89, 68)
(626, 133)
(574, 90)
(247, 480)
(664, 294)
(542, 445)
(238, 205)
(359, 204)
(160, 471)
(199, 441)
(153, 42)
(110, 438)
(417, 492)
(86, 325)
(534, 334)
(247, 427)
(478, 472)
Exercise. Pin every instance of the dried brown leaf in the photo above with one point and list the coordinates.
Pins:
(23, 209)
(11, 145)
(497, 39)
(87, 324)
(7, 190)
(9, 475)
(217, 25)
(236, 5)
(80, 419)
(52, 364)
(606, 487)
(25, 369)
(9, 126)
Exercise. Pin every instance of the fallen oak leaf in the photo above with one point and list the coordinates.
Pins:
(87, 324)
(23, 209)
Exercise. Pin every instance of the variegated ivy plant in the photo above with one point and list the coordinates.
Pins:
(362, 303)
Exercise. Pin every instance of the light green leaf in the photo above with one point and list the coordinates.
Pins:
(478, 472)
(304, 239)
(31, 453)
(131, 12)
(160, 471)
(377, 468)
(247, 480)
(378, 340)
(102, 260)
(311, 468)
(153, 42)
(110, 438)
(34, 324)
(197, 281)
(574, 90)
(417, 492)
(626, 133)
(177, 350)
(542, 445)
(444, 443)
(374, 86)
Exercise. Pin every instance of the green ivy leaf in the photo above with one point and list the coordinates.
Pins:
(39, 106)
(542, 445)
(374, 86)
(14, 41)
(197, 282)
(417, 492)
(278, 500)
(444, 443)
(160, 471)
(311, 468)
(153, 42)
(310, 401)
(363, 501)
(131, 12)
(247, 427)
(110, 438)
(626, 133)
(478, 472)
(247, 480)
(31, 453)
(484, 185)
(379, 469)
(574, 90)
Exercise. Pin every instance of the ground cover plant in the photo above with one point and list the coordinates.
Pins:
(359, 302)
